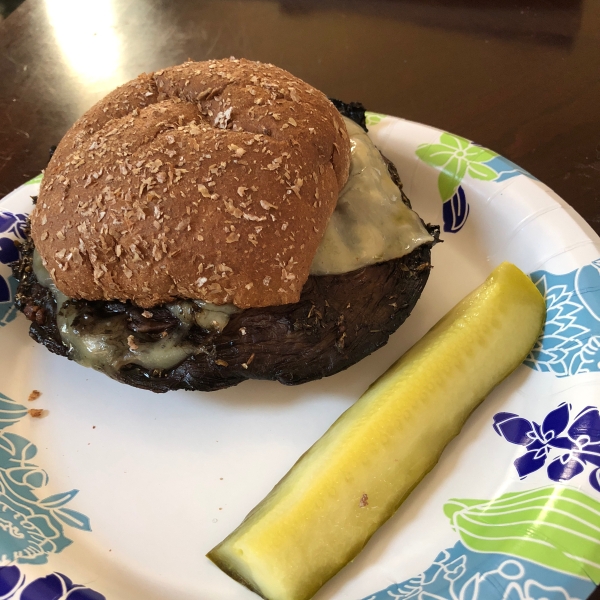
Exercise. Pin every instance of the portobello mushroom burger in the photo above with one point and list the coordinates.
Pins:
(215, 222)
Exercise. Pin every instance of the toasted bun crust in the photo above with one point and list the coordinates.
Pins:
(211, 180)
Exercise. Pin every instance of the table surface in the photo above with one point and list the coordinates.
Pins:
(520, 77)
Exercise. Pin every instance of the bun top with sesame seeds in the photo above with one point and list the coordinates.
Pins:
(209, 180)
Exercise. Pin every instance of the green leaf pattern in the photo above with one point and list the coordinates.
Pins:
(456, 157)
(556, 526)
(373, 118)
(36, 179)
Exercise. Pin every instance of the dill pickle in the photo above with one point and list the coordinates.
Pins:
(323, 512)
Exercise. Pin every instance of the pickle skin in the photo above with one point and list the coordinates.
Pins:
(327, 507)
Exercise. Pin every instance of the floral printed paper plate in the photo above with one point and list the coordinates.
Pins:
(116, 493)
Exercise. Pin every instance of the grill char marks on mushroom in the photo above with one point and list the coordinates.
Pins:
(36, 302)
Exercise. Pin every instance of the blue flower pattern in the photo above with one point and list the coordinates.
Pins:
(455, 211)
(459, 573)
(567, 449)
(570, 342)
(30, 528)
(13, 223)
(55, 586)
(12, 226)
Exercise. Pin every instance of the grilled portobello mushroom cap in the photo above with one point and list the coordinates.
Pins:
(339, 320)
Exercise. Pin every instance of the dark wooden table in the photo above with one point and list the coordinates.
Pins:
(520, 77)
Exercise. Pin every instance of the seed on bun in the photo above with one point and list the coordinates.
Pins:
(208, 181)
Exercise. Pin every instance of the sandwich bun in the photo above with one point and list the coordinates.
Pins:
(207, 181)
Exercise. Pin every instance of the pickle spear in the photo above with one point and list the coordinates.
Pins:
(323, 512)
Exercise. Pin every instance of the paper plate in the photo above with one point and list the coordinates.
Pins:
(118, 493)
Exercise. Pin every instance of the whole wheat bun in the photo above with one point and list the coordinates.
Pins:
(209, 180)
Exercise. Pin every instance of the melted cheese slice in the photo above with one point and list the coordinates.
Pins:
(370, 223)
